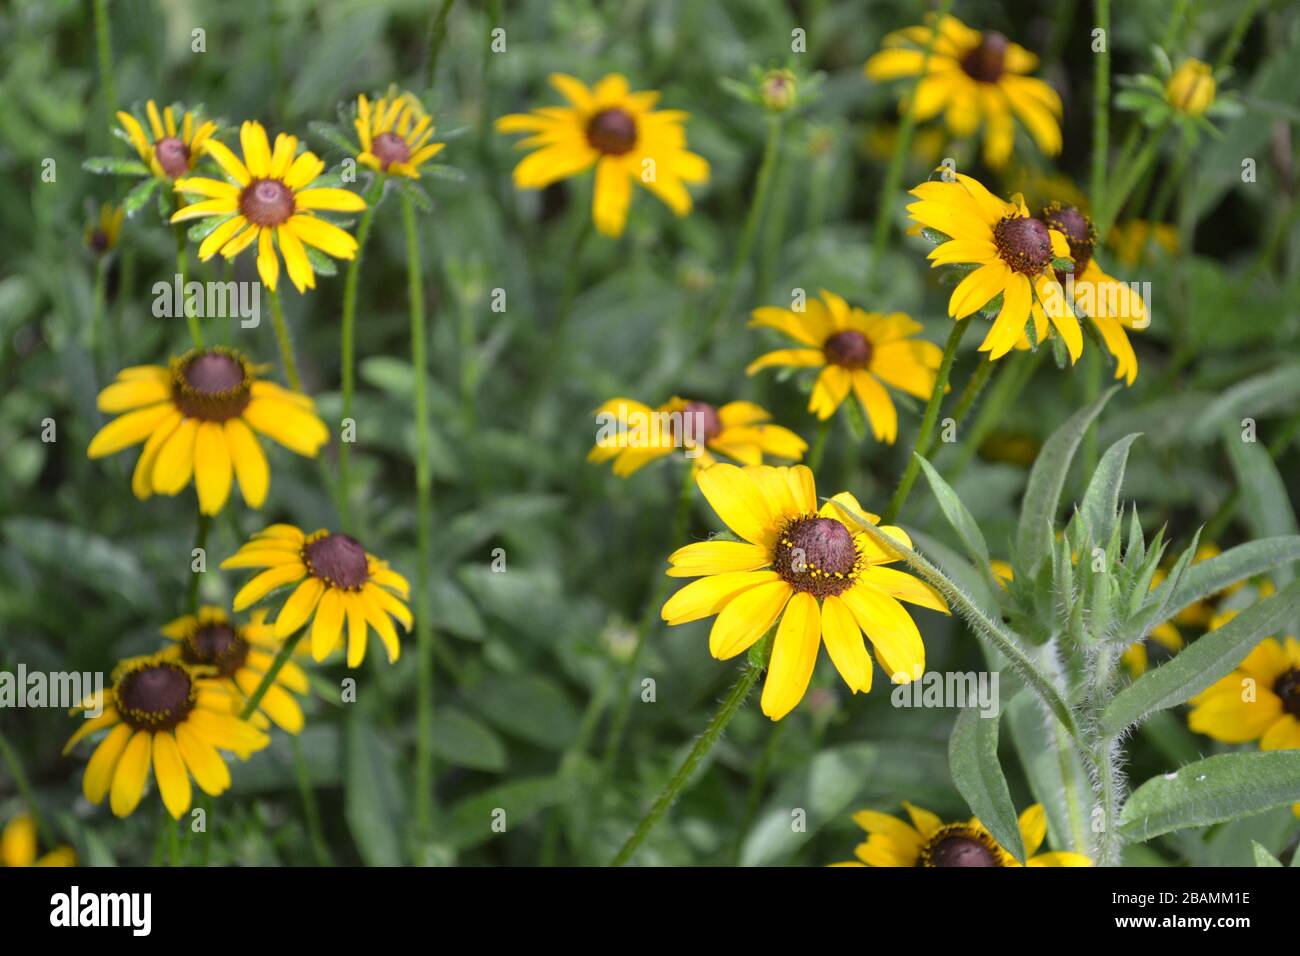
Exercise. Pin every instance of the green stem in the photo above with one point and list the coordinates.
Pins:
(756, 787)
(281, 658)
(1128, 179)
(894, 174)
(200, 543)
(1239, 28)
(104, 50)
(320, 848)
(182, 267)
(969, 395)
(927, 422)
(730, 706)
(24, 785)
(424, 796)
(1176, 16)
(749, 231)
(97, 310)
(649, 615)
(285, 343)
(347, 347)
(1092, 374)
(437, 34)
(1005, 392)
(1101, 105)
(819, 445)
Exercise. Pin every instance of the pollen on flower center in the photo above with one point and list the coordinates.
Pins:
(849, 348)
(213, 385)
(1287, 687)
(337, 559)
(216, 645)
(959, 845)
(173, 156)
(1078, 230)
(1023, 244)
(266, 202)
(155, 696)
(612, 131)
(390, 148)
(816, 555)
(985, 63)
(705, 425)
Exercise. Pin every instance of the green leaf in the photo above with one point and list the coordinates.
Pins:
(1262, 856)
(1100, 506)
(139, 195)
(973, 759)
(109, 166)
(414, 193)
(478, 818)
(1201, 663)
(442, 171)
(332, 135)
(531, 707)
(1046, 481)
(962, 521)
(205, 227)
(1265, 502)
(321, 264)
(1055, 772)
(464, 742)
(851, 415)
(1210, 791)
(371, 793)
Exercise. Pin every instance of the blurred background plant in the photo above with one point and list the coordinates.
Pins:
(530, 658)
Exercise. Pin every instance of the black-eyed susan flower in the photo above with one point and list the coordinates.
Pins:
(237, 657)
(169, 149)
(928, 841)
(267, 199)
(1013, 254)
(1191, 87)
(633, 434)
(812, 569)
(856, 351)
(394, 132)
(1260, 700)
(162, 714)
(19, 846)
(101, 235)
(198, 421)
(1110, 305)
(338, 584)
(617, 131)
(973, 77)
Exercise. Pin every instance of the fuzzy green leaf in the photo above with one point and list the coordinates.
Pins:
(973, 759)
(962, 521)
(108, 166)
(1262, 856)
(1100, 506)
(1265, 503)
(139, 195)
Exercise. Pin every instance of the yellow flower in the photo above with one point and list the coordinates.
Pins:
(1014, 253)
(239, 658)
(266, 200)
(1002, 571)
(973, 77)
(171, 151)
(634, 434)
(101, 237)
(814, 570)
(1260, 700)
(1110, 305)
(341, 583)
(1191, 88)
(862, 351)
(928, 841)
(394, 132)
(1129, 239)
(197, 420)
(617, 131)
(18, 846)
(165, 714)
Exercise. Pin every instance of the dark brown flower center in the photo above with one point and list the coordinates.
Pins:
(215, 645)
(155, 696)
(390, 148)
(612, 131)
(1024, 244)
(1288, 688)
(816, 555)
(1078, 230)
(173, 156)
(338, 560)
(213, 385)
(985, 63)
(704, 423)
(266, 202)
(849, 349)
(98, 240)
(961, 851)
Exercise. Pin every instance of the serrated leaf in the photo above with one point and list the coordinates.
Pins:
(1046, 481)
(973, 759)
(110, 166)
(1200, 664)
(1218, 788)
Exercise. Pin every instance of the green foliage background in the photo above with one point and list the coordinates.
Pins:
(88, 574)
